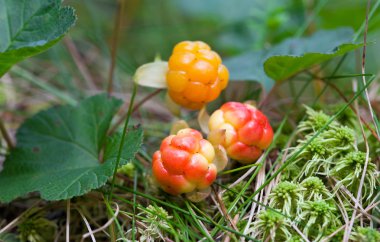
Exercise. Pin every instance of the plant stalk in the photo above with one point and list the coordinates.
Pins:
(6, 135)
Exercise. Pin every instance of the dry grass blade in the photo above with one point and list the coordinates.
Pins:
(259, 181)
(114, 44)
(359, 194)
(10, 225)
(223, 208)
(299, 232)
(88, 226)
(105, 226)
(6, 135)
(68, 213)
(246, 174)
(327, 238)
(79, 62)
(363, 69)
(355, 201)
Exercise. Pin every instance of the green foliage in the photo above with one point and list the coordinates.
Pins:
(317, 216)
(365, 235)
(34, 227)
(290, 57)
(155, 219)
(247, 25)
(58, 151)
(339, 139)
(314, 189)
(271, 224)
(127, 169)
(29, 27)
(349, 170)
(8, 237)
(281, 68)
(315, 121)
(302, 192)
(230, 195)
(338, 237)
(285, 196)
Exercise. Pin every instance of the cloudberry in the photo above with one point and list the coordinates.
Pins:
(184, 163)
(196, 75)
(242, 130)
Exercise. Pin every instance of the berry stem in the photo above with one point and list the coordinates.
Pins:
(135, 108)
(134, 91)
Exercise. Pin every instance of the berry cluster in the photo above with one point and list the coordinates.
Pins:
(187, 163)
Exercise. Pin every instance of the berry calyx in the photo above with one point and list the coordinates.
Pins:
(196, 74)
(185, 163)
(242, 130)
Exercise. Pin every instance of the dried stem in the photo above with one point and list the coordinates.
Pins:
(6, 135)
(79, 62)
(344, 226)
(355, 111)
(363, 68)
(115, 40)
(223, 208)
(68, 220)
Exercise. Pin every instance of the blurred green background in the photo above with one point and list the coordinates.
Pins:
(151, 27)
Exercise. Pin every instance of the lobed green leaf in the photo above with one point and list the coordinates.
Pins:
(29, 27)
(290, 57)
(58, 150)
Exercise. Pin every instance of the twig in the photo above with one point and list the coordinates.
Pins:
(234, 221)
(6, 135)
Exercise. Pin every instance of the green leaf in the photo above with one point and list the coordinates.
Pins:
(290, 57)
(249, 67)
(299, 54)
(7, 237)
(57, 151)
(29, 27)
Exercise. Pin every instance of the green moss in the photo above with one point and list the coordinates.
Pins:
(365, 234)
